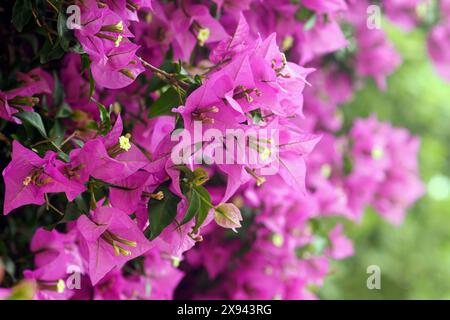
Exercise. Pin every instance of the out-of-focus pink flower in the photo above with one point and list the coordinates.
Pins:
(438, 49)
(325, 37)
(376, 56)
(341, 246)
(28, 178)
(403, 12)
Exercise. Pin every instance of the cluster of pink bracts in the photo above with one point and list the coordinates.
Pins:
(241, 54)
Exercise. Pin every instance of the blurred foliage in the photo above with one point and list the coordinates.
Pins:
(415, 257)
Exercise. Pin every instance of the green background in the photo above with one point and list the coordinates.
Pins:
(414, 258)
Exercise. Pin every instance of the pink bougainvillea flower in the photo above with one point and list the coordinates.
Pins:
(236, 54)
(76, 85)
(128, 10)
(403, 12)
(23, 98)
(174, 240)
(325, 6)
(192, 24)
(104, 36)
(118, 67)
(438, 49)
(50, 245)
(341, 246)
(294, 146)
(110, 158)
(127, 195)
(148, 135)
(160, 278)
(385, 162)
(376, 56)
(28, 177)
(325, 37)
(235, 44)
(58, 264)
(36, 81)
(205, 105)
(110, 239)
(51, 277)
(6, 112)
(156, 37)
(233, 5)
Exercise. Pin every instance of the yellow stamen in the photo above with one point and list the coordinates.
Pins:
(124, 142)
(202, 36)
(60, 286)
(124, 252)
(114, 240)
(265, 154)
(325, 170)
(377, 153)
(26, 181)
(118, 41)
(277, 240)
(157, 196)
(175, 262)
(287, 43)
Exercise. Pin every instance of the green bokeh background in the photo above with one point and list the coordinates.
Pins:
(414, 258)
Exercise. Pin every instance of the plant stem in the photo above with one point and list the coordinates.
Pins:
(169, 77)
(49, 206)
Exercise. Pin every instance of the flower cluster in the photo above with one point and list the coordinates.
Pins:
(92, 145)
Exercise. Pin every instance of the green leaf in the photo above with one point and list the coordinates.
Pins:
(105, 119)
(63, 31)
(77, 48)
(194, 206)
(85, 62)
(34, 119)
(50, 51)
(64, 156)
(21, 14)
(58, 91)
(257, 117)
(315, 247)
(57, 132)
(205, 206)
(78, 142)
(164, 104)
(65, 111)
(91, 84)
(348, 164)
(310, 23)
(161, 213)
(32, 40)
(82, 202)
(303, 14)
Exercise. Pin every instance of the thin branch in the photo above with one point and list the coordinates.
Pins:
(169, 77)
(49, 206)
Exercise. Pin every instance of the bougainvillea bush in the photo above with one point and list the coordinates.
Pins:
(158, 149)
